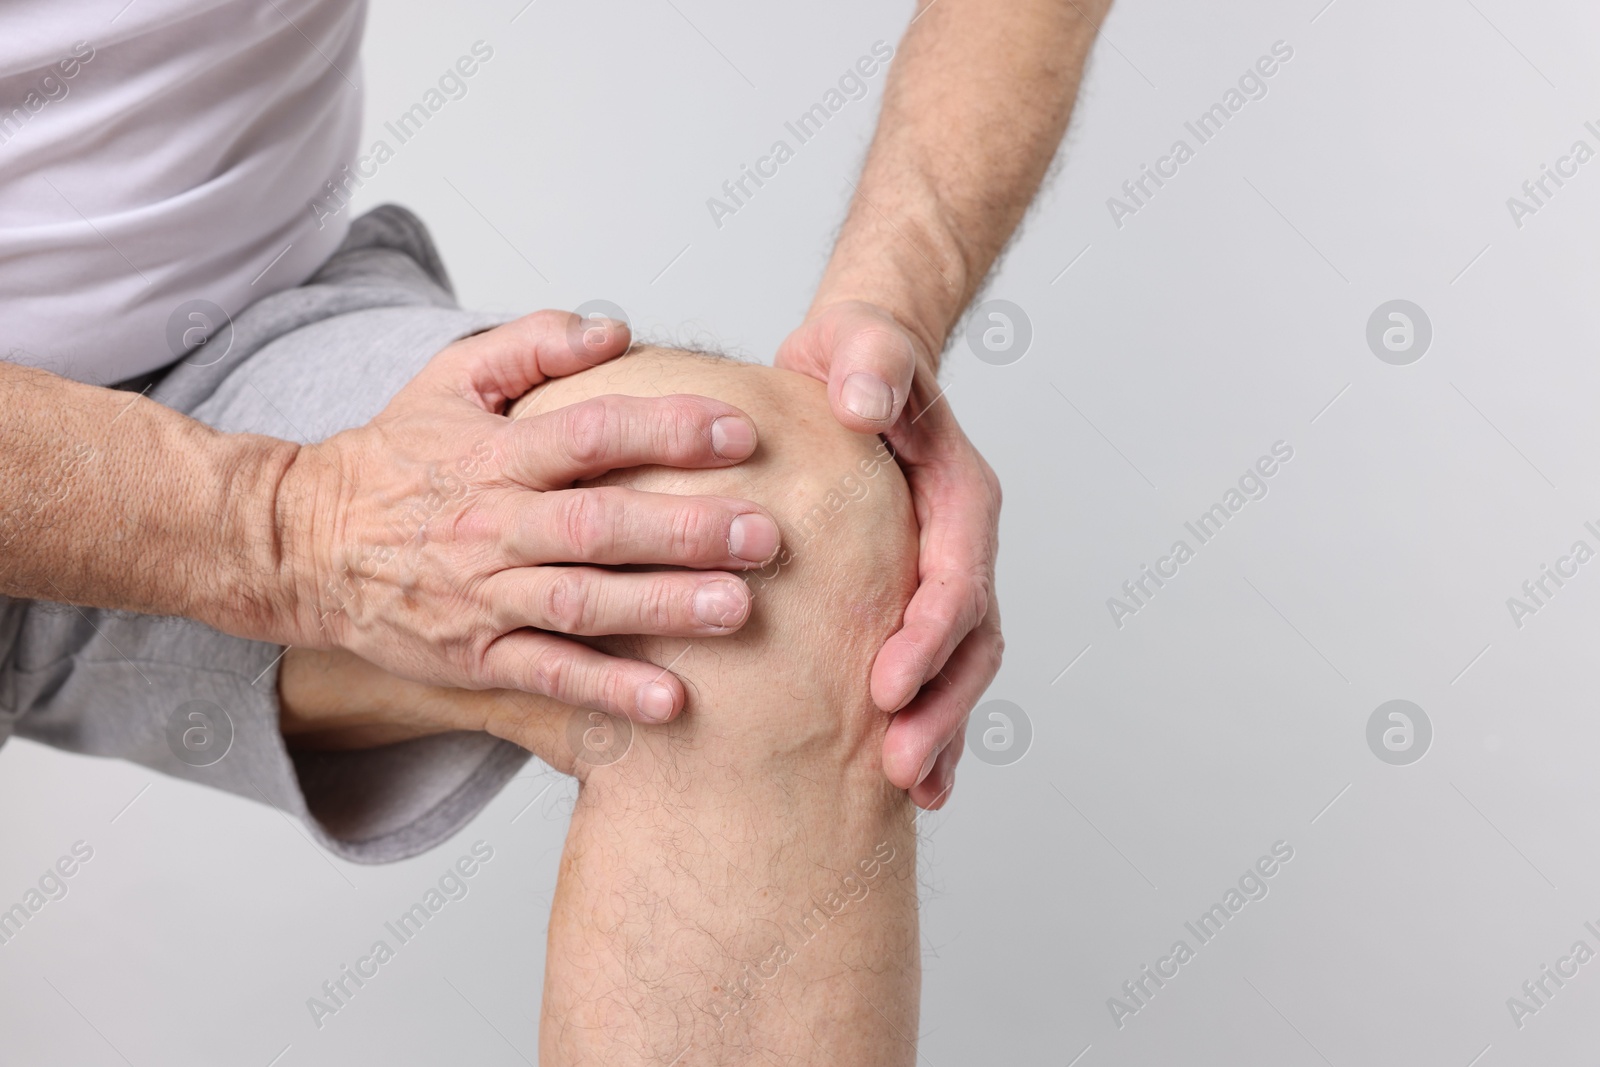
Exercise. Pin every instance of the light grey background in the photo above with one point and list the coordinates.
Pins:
(1226, 716)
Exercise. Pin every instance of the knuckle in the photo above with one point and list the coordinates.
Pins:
(480, 668)
(476, 524)
(692, 532)
(994, 655)
(584, 521)
(657, 610)
(686, 427)
(876, 340)
(610, 691)
(549, 672)
(663, 425)
(590, 430)
(566, 602)
(978, 597)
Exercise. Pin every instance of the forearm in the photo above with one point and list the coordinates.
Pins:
(976, 104)
(111, 500)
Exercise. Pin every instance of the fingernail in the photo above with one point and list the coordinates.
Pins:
(721, 603)
(732, 438)
(655, 702)
(753, 538)
(867, 397)
(927, 766)
(600, 331)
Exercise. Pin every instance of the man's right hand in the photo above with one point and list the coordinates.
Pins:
(439, 540)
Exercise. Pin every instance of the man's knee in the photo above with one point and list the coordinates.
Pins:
(820, 610)
(740, 875)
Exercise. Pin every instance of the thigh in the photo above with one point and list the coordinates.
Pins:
(305, 363)
(333, 374)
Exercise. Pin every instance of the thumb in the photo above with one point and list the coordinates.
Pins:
(870, 368)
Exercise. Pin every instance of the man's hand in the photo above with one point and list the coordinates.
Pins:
(949, 176)
(950, 636)
(437, 541)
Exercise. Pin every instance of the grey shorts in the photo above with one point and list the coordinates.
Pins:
(300, 365)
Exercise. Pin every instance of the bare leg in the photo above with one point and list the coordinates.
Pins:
(738, 886)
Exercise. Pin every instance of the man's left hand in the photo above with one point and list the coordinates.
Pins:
(932, 671)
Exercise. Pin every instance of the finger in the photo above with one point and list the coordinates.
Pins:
(536, 722)
(611, 526)
(930, 723)
(499, 365)
(606, 433)
(946, 608)
(589, 601)
(869, 377)
(576, 674)
(933, 792)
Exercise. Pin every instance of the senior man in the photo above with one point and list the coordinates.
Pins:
(329, 482)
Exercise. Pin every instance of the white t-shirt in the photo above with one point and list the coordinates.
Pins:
(158, 156)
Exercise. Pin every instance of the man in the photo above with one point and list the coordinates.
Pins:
(738, 885)
(278, 493)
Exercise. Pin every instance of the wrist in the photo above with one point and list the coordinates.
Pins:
(304, 506)
(254, 582)
(914, 268)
